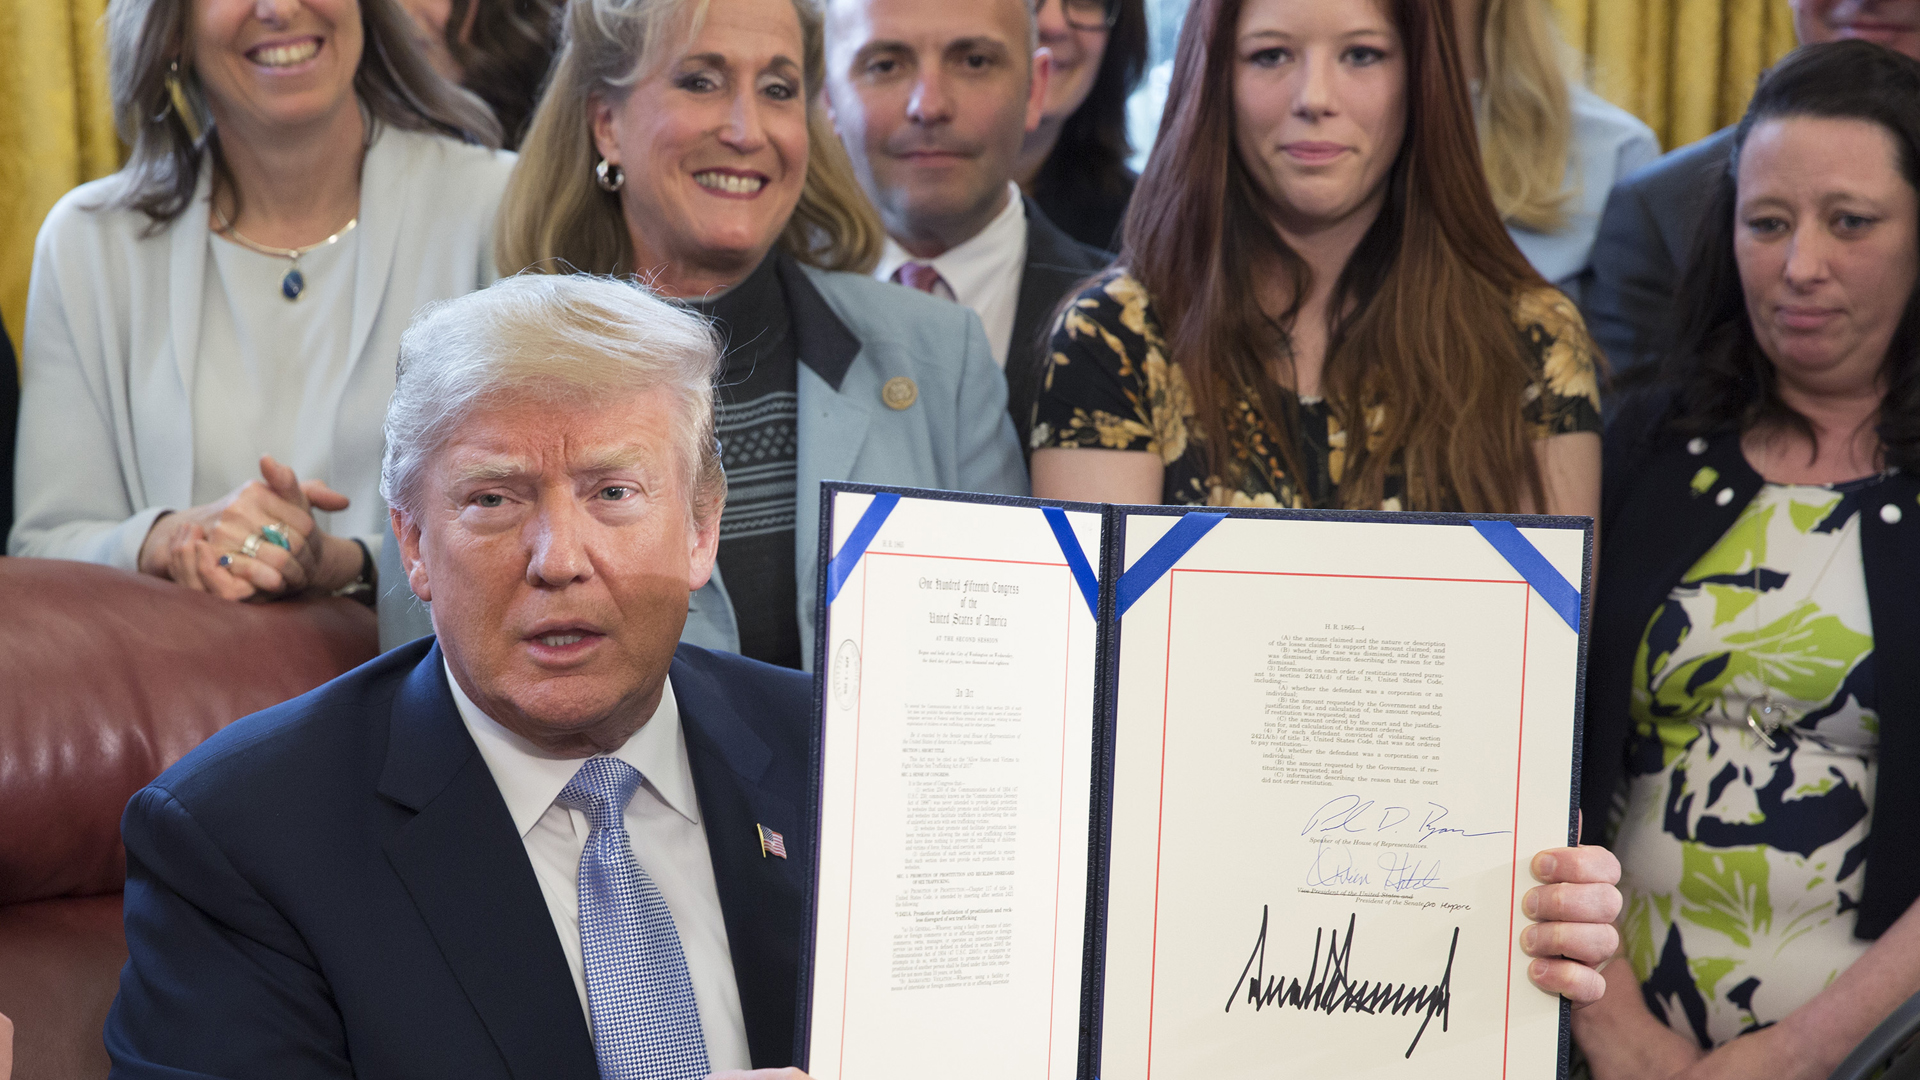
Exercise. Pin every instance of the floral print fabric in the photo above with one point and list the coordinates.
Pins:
(1109, 384)
(1742, 861)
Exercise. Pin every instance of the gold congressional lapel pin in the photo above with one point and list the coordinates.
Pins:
(771, 843)
(900, 392)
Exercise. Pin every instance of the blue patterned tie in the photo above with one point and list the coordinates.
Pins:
(646, 1025)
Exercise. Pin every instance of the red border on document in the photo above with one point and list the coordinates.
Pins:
(853, 816)
(1161, 809)
(1060, 823)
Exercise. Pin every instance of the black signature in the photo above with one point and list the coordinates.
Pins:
(1331, 989)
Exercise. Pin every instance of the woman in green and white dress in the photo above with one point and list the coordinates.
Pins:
(1743, 841)
(1756, 642)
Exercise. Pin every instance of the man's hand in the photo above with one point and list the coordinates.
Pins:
(759, 1074)
(1572, 911)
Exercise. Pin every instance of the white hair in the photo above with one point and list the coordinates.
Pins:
(561, 338)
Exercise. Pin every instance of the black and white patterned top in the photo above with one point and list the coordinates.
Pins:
(757, 415)
(1111, 384)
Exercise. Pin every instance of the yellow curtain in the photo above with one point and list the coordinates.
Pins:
(56, 125)
(1686, 67)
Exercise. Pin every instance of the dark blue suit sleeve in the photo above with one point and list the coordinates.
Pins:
(1632, 279)
(217, 982)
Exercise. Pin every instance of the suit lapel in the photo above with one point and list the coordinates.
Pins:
(833, 425)
(1055, 264)
(386, 169)
(466, 869)
(1676, 516)
(1888, 543)
(186, 269)
(166, 456)
(761, 897)
(1689, 488)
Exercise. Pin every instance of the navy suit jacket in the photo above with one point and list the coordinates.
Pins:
(334, 887)
(1647, 234)
(1057, 265)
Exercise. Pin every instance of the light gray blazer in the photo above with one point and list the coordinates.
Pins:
(855, 335)
(112, 342)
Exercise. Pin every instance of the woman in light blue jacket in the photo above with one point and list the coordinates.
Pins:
(706, 166)
(237, 292)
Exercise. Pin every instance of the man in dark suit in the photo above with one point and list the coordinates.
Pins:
(1647, 231)
(545, 844)
(933, 99)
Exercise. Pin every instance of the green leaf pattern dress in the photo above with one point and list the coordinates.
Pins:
(1742, 862)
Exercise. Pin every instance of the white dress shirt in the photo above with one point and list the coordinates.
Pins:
(663, 821)
(984, 272)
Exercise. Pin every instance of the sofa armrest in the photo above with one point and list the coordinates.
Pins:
(107, 678)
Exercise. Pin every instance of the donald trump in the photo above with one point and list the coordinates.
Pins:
(548, 841)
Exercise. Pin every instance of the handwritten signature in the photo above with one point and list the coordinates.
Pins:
(1333, 865)
(1332, 989)
(1351, 814)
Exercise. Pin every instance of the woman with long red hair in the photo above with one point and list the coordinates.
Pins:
(1313, 252)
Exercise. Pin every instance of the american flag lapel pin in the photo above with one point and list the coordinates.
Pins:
(771, 843)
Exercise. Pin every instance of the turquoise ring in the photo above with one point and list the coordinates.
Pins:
(276, 534)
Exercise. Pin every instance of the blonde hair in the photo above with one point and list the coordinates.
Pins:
(554, 217)
(555, 338)
(1524, 114)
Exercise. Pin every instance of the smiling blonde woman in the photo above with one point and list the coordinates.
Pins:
(684, 142)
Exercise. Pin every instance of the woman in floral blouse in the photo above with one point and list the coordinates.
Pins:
(1312, 252)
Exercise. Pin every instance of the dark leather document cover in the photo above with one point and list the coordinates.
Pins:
(1135, 792)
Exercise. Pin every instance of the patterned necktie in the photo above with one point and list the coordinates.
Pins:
(646, 1024)
(922, 276)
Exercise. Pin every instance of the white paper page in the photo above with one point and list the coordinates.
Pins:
(1335, 739)
(956, 795)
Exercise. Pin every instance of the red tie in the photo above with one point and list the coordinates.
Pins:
(916, 275)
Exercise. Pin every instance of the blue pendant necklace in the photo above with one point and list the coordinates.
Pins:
(294, 283)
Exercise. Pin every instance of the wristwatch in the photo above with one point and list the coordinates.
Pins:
(361, 588)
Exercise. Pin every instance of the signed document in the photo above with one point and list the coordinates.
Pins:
(1168, 792)
(956, 759)
(1338, 744)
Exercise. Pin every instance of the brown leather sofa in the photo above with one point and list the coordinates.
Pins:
(106, 678)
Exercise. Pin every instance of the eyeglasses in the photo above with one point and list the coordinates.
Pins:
(1085, 14)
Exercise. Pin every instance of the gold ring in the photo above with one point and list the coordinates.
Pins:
(250, 545)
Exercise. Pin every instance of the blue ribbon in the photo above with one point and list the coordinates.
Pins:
(863, 532)
(1527, 561)
(1076, 557)
(1160, 558)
